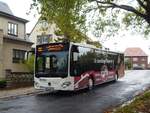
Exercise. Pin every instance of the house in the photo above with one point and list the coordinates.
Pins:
(13, 42)
(137, 57)
(43, 32)
(148, 67)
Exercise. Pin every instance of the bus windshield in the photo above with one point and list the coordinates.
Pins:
(52, 64)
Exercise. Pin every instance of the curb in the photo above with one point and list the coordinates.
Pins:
(128, 71)
(20, 95)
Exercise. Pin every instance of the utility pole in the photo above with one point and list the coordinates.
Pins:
(1, 54)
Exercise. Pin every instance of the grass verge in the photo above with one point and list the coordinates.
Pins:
(141, 104)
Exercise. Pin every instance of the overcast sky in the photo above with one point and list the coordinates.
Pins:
(118, 43)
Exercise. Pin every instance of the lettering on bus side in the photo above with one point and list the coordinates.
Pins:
(103, 61)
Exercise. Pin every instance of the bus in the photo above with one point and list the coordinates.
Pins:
(71, 66)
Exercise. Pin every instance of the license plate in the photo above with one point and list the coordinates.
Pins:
(49, 89)
(42, 80)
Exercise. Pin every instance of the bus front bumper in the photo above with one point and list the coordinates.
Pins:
(54, 84)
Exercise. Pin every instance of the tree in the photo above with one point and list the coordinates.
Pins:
(103, 16)
(128, 64)
(30, 63)
(118, 14)
(95, 43)
(66, 15)
(142, 9)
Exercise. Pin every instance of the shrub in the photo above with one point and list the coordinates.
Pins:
(3, 83)
(30, 63)
(128, 64)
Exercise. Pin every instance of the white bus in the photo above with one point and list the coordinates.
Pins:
(71, 67)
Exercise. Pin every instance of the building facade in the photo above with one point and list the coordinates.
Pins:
(13, 42)
(43, 32)
(137, 57)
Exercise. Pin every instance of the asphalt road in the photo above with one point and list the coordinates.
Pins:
(96, 101)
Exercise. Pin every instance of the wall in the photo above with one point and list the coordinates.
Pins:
(139, 61)
(8, 53)
(38, 30)
(4, 25)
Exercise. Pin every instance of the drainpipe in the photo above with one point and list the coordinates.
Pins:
(1, 54)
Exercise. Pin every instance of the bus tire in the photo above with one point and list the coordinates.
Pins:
(90, 84)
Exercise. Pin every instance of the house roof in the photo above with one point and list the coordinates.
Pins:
(5, 8)
(135, 51)
(6, 12)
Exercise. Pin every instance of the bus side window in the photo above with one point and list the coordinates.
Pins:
(110, 66)
(75, 69)
(75, 66)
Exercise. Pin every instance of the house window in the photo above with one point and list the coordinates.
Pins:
(18, 56)
(143, 65)
(127, 59)
(135, 59)
(143, 59)
(135, 65)
(12, 29)
(42, 39)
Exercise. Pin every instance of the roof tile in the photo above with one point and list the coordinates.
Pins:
(135, 51)
(5, 8)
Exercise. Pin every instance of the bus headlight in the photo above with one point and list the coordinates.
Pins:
(66, 84)
(36, 84)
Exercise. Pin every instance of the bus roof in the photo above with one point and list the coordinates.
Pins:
(94, 47)
(83, 45)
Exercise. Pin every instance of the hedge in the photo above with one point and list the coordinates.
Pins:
(3, 83)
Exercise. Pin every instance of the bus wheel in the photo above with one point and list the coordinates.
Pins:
(90, 84)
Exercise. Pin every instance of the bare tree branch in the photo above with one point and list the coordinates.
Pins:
(110, 4)
(141, 4)
(124, 7)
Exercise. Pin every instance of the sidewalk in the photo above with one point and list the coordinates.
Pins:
(128, 71)
(17, 92)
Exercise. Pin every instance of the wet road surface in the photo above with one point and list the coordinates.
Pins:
(95, 101)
